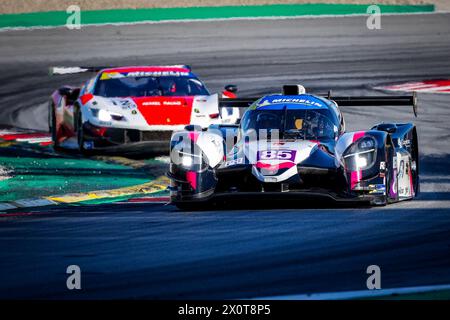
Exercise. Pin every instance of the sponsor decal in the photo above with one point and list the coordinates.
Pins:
(234, 162)
(151, 103)
(117, 75)
(111, 75)
(401, 169)
(157, 74)
(88, 145)
(276, 155)
(377, 188)
(406, 143)
(172, 103)
(404, 191)
(127, 104)
(393, 188)
(303, 101)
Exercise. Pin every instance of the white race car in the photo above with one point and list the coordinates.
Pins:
(132, 109)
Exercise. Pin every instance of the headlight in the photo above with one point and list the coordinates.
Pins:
(106, 116)
(360, 161)
(361, 155)
(186, 161)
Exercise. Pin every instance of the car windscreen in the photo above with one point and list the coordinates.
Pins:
(149, 87)
(308, 124)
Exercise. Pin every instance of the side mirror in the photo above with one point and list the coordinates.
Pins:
(231, 88)
(71, 94)
(193, 127)
(65, 91)
(388, 127)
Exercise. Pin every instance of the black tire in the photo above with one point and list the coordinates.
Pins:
(415, 159)
(80, 133)
(384, 200)
(389, 170)
(52, 127)
(191, 206)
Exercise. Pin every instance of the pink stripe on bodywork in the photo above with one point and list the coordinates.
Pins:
(358, 135)
(191, 177)
(193, 135)
(278, 166)
(355, 176)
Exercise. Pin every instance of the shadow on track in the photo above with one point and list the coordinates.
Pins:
(267, 204)
(435, 165)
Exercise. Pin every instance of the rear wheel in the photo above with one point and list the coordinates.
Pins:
(389, 171)
(415, 164)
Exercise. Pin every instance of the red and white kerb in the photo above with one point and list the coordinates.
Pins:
(430, 86)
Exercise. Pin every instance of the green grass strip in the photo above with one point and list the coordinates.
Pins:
(59, 18)
(35, 177)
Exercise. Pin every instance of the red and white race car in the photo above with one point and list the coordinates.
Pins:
(133, 109)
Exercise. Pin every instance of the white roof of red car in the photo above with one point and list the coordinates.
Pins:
(178, 68)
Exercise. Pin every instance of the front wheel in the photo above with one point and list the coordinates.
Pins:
(382, 200)
(191, 206)
(80, 133)
(53, 126)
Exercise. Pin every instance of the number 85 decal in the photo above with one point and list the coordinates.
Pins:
(276, 155)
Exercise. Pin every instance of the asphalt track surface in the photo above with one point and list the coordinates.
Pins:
(155, 251)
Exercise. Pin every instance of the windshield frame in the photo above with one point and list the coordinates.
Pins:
(281, 128)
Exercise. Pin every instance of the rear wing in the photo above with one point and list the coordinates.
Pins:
(342, 101)
(375, 101)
